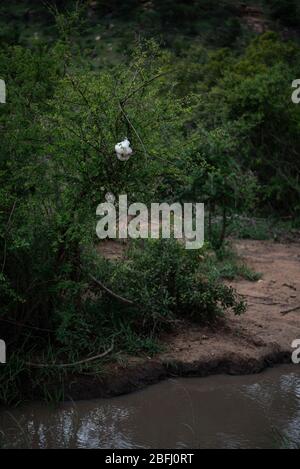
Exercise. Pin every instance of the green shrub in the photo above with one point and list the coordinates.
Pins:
(247, 98)
(166, 282)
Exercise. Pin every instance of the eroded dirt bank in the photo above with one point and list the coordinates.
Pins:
(262, 337)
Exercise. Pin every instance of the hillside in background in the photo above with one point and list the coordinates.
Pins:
(109, 28)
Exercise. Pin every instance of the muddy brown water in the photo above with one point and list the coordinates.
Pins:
(258, 411)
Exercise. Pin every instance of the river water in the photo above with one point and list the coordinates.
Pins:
(259, 411)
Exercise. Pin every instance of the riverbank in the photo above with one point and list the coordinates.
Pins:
(260, 338)
(233, 412)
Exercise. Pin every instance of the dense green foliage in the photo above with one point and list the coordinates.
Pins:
(248, 99)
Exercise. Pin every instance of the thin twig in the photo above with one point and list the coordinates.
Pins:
(290, 310)
(110, 292)
(66, 365)
(133, 128)
(146, 83)
(6, 231)
(16, 323)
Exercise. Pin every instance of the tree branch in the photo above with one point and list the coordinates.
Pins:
(110, 292)
(65, 365)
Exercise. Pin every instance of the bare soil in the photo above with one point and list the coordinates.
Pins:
(260, 338)
(264, 327)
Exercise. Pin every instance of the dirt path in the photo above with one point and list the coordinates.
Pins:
(248, 344)
(263, 333)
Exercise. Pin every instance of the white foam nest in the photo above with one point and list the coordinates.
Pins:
(123, 150)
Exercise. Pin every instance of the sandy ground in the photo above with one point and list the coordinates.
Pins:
(263, 330)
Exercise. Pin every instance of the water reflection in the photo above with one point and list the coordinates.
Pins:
(261, 411)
